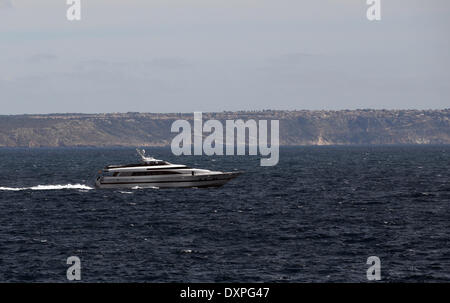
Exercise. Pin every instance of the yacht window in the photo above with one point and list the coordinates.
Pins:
(157, 163)
(154, 173)
(125, 174)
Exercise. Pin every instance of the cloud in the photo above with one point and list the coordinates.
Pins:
(39, 58)
(160, 64)
(4, 4)
(168, 63)
(291, 58)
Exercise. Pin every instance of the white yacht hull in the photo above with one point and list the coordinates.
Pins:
(203, 180)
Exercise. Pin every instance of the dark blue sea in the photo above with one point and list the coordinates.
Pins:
(315, 217)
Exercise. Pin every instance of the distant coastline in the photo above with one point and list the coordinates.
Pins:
(297, 128)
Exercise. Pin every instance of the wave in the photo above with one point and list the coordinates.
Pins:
(138, 187)
(48, 187)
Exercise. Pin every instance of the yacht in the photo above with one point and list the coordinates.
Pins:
(154, 173)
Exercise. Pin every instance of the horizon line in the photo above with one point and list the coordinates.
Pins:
(228, 111)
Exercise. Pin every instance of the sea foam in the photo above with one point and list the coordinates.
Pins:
(48, 187)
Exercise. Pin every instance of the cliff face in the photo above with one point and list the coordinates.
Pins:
(296, 128)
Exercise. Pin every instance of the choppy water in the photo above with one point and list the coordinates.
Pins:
(316, 216)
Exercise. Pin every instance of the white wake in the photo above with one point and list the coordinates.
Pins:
(48, 187)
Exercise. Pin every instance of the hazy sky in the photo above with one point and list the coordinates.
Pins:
(215, 55)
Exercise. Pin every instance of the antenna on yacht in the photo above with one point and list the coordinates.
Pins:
(144, 158)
